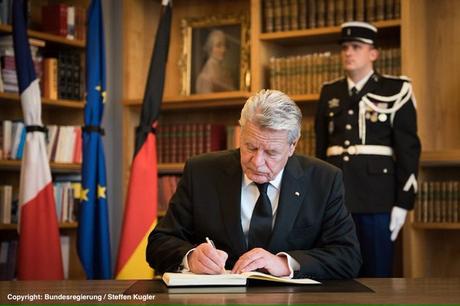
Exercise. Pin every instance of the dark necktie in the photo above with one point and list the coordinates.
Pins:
(260, 227)
(354, 94)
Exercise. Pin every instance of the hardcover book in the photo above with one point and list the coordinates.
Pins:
(227, 279)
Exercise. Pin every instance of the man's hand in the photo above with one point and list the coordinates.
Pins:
(398, 217)
(207, 260)
(260, 259)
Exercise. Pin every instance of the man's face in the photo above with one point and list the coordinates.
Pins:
(357, 56)
(264, 152)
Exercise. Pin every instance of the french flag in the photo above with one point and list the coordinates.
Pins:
(39, 250)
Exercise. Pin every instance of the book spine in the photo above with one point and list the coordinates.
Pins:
(294, 6)
(268, 16)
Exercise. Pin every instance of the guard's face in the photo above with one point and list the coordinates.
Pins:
(357, 56)
(264, 152)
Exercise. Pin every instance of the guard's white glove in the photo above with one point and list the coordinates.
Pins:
(398, 217)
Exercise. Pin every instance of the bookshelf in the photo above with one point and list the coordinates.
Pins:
(6, 28)
(434, 85)
(58, 111)
(433, 249)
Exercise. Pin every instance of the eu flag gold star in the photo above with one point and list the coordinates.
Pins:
(103, 93)
(101, 192)
(84, 195)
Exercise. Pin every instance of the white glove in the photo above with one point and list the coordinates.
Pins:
(398, 217)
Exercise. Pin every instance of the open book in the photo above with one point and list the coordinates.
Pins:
(227, 279)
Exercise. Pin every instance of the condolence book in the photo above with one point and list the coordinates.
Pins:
(227, 279)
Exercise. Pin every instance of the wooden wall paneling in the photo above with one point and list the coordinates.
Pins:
(443, 47)
(140, 22)
(430, 38)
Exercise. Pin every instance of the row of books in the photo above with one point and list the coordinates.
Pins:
(60, 71)
(233, 136)
(438, 201)
(305, 74)
(178, 142)
(13, 137)
(8, 257)
(8, 253)
(63, 76)
(6, 11)
(389, 61)
(64, 143)
(306, 144)
(8, 80)
(6, 203)
(64, 20)
(67, 196)
(167, 185)
(287, 15)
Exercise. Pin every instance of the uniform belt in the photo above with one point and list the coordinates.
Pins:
(360, 149)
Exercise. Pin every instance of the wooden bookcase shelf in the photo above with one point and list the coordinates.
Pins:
(215, 100)
(171, 168)
(436, 226)
(15, 165)
(440, 158)
(13, 98)
(62, 226)
(319, 34)
(6, 28)
(202, 101)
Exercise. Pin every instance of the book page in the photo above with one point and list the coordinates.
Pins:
(192, 279)
(228, 278)
(285, 279)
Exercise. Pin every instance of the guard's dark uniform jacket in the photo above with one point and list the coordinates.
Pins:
(372, 137)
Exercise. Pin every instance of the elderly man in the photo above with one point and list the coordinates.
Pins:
(264, 207)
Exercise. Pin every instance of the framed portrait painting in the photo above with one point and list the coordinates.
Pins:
(215, 54)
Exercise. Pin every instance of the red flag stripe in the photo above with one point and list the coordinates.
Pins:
(39, 265)
(140, 209)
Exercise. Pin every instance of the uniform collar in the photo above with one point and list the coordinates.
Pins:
(360, 84)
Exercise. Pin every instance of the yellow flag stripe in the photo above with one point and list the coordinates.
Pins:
(137, 267)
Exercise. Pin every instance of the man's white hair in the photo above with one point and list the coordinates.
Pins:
(273, 109)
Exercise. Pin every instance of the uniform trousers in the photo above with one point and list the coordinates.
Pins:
(376, 246)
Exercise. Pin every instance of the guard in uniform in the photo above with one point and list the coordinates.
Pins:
(366, 125)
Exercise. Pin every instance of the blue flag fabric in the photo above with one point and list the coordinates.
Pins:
(93, 229)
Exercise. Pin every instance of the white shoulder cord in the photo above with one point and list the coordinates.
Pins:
(400, 99)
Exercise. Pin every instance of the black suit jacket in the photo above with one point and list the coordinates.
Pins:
(312, 224)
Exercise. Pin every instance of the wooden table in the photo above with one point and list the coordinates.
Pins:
(387, 291)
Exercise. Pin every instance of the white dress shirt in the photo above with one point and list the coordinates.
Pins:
(360, 84)
(249, 195)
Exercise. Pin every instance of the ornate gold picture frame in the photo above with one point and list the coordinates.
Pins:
(214, 54)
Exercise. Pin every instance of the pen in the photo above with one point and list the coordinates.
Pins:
(209, 241)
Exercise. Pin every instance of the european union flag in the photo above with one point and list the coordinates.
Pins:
(93, 229)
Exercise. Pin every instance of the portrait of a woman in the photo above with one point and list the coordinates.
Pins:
(215, 76)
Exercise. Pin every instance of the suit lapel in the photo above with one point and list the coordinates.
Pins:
(229, 188)
(292, 193)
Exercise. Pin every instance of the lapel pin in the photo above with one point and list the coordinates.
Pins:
(297, 193)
